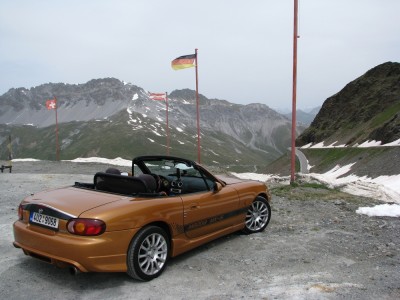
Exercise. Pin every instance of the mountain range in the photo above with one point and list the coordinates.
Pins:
(304, 118)
(111, 118)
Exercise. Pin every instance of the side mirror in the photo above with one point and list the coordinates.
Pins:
(217, 187)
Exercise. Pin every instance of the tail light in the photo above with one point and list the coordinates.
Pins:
(87, 227)
(20, 212)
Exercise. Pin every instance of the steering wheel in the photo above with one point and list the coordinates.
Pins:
(163, 183)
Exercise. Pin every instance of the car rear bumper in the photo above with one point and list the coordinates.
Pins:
(104, 253)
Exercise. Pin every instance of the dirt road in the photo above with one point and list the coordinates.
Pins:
(313, 249)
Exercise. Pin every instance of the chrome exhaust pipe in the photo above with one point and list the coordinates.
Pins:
(74, 271)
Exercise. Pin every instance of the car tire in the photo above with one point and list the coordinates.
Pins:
(258, 216)
(148, 253)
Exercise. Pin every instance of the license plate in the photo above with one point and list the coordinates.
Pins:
(44, 220)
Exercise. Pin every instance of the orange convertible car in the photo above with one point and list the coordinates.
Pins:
(134, 223)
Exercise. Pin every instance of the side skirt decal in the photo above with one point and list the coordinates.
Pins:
(214, 219)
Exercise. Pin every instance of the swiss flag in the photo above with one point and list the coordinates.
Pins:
(51, 104)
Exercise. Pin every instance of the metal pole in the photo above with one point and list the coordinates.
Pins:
(166, 105)
(57, 146)
(198, 113)
(295, 37)
(10, 156)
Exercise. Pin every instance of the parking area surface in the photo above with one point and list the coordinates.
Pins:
(311, 250)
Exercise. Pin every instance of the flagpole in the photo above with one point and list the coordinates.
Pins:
(197, 110)
(166, 105)
(10, 156)
(295, 37)
(57, 146)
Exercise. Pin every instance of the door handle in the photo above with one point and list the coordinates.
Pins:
(193, 206)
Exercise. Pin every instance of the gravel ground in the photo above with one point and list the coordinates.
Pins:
(312, 249)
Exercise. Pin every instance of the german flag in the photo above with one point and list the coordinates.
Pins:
(183, 62)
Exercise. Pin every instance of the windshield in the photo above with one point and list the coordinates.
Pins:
(179, 176)
(167, 167)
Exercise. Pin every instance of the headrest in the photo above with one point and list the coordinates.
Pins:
(119, 184)
(113, 171)
(149, 181)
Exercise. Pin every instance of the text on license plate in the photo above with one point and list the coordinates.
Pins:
(44, 220)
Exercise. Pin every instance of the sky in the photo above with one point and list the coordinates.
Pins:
(245, 48)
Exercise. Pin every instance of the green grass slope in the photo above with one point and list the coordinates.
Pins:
(368, 108)
(371, 162)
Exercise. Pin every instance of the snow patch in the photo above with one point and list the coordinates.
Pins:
(334, 173)
(395, 143)
(372, 143)
(335, 146)
(306, 146)
(25, 159)
(252, 176)
(156, 133)
(384, 188)
(319, 145)
(366, 144)
(383, 210)
(309, 167)
(216, 154)
(116, 161)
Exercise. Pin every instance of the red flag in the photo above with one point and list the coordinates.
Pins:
(51, 104)
(158, 96)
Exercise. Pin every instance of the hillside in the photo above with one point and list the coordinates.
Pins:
(367, 108)
(111, 118)
(372, 162)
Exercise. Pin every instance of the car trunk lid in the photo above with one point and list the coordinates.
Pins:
(72, 201)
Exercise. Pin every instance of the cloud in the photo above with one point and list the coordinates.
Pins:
(245, 48)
